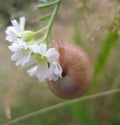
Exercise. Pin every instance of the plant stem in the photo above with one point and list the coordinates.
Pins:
(52, 21)
(41, 30)
(62, 104)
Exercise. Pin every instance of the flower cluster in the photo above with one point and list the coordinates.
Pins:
(43, 62)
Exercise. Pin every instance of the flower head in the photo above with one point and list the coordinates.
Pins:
(15, 31)
(47, 66)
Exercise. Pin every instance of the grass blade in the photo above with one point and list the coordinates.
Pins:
(102, 57)
(104, 53)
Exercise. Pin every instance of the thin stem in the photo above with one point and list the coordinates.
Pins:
(52, 20)
(41, 30)
(59, 105)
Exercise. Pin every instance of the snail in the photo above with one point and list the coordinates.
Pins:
(77, 72)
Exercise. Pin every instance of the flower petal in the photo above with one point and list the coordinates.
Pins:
(43, 48)
(42, 71)
(39, 48)
(55, 71)
(33, 71)
(22, 23)
(52, 54)
(11, 34)
(35, 48)
(16, 25)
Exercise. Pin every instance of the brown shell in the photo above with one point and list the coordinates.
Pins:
(77, 73)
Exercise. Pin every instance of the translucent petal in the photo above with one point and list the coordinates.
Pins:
(10, 30)
(52, 54)
(43, 48)
(10, 38)
(42, 71)
(32, 71)
(11, 34)
(22, 23)
(35, 48)
(50, 72)
(58, 69)
(16, 25)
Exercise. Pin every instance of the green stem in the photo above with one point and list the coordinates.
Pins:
(41, 30)
(52, 21)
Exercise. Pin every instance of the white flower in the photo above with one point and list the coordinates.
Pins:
(15, 32)
(22, 52)
(47, 66)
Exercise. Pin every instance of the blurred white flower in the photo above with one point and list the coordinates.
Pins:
(22, 52)
(15, 31)
(47, 66)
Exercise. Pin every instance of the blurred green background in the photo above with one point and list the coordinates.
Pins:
(87, 23)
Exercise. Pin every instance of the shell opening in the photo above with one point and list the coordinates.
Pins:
(63, 74)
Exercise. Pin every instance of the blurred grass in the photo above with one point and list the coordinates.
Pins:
(91, 30)
(104, 53)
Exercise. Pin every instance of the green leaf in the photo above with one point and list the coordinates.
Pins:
(48, 4)
(44, 18)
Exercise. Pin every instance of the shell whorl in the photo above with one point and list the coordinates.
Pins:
(77, 73)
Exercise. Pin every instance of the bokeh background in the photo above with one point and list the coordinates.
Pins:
(85, 22)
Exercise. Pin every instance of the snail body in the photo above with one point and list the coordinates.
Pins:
(77, 73)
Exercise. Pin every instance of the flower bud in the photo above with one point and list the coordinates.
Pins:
(28, 36)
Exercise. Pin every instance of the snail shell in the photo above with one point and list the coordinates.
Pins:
(77, 73)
